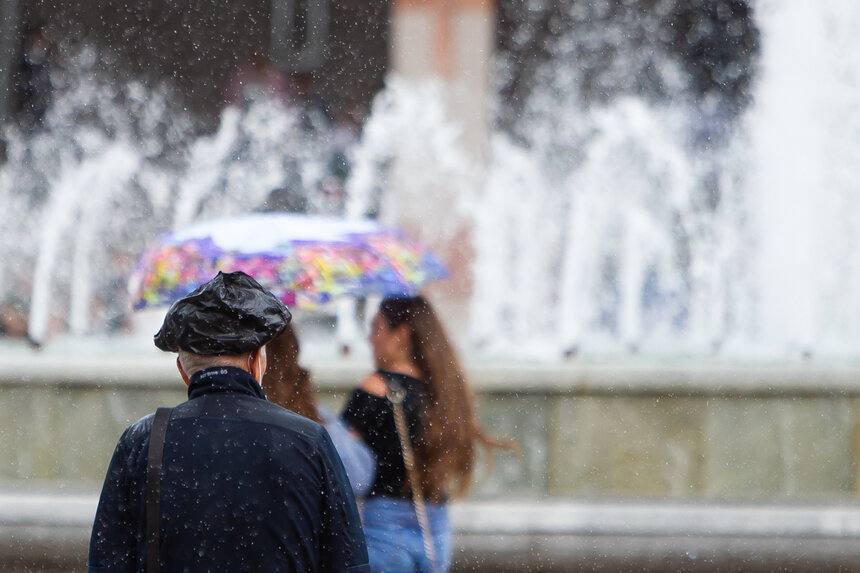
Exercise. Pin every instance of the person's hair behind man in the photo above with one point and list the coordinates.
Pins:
(286, 383)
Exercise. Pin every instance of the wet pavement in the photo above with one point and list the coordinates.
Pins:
(48, 532)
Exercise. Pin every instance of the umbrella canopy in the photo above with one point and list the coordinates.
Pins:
(306, 261)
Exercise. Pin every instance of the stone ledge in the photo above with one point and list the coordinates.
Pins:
(554, 536)
(656, 519)
(22, 509)
(639, 377)
(542, 517)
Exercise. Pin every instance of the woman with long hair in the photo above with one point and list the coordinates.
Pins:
(289, 385)
(415, 361)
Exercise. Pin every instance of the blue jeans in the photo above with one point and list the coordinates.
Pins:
(394, 541)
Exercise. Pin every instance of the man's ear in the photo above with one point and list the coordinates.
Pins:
(182, 373)
(257, 366)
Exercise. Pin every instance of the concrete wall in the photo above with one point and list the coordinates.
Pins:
(640, 431)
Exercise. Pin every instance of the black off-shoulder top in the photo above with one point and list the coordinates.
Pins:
(372, 417)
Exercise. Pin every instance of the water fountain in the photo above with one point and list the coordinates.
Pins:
(620, 227)
(114, 164)
(663, 232)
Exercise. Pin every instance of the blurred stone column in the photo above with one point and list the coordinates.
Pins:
(450, 41)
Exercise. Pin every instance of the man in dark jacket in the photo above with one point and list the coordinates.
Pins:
(245, 485)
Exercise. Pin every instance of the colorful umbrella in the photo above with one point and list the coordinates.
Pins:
(307, 261)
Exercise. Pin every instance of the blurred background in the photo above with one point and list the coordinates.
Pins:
(648, 209)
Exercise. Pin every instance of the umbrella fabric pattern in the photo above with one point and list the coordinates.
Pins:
(306, 261)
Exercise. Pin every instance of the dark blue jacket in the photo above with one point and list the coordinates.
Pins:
(246, 486)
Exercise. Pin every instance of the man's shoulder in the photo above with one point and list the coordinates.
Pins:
(259, 412)
(138, 431)
(249, 410)
(132, 443)
(288, 420)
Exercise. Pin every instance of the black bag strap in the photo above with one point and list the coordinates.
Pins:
(153, 488)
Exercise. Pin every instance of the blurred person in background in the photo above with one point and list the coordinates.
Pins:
(33, 78)
(417, 367)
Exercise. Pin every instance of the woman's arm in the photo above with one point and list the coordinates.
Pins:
(357, 457)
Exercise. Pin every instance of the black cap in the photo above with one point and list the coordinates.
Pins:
(231, 314)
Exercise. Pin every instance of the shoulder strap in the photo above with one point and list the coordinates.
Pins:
(153, 488)
(396, 394)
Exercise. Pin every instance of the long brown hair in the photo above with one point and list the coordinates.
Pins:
(446, 448)
(285, 382)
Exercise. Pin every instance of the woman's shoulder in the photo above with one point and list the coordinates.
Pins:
(366, 398)
(374, 384)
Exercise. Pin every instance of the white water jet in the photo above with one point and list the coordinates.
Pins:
(77, 208)
(514, 223)
(124, 163)
(409, 165)
(205, 158)
(57, 219)
(806, 137)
